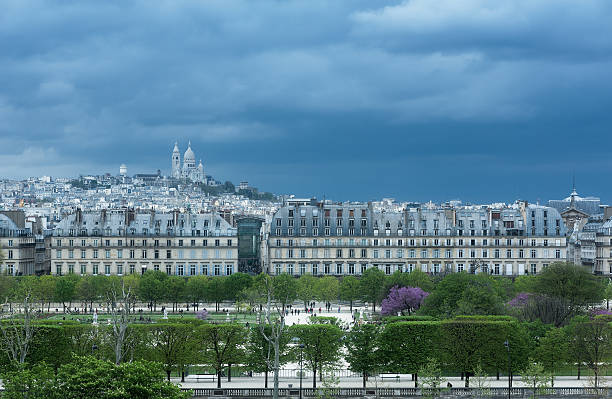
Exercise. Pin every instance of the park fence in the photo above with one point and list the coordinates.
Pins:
(349, 393)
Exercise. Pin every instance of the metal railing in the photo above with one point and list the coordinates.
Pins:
(399, 392)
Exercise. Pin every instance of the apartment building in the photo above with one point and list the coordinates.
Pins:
(17, 244)
(125, 241)
(349, 238)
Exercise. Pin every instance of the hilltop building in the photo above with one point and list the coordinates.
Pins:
(188, 169)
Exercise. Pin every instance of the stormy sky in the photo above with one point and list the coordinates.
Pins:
(348, 99)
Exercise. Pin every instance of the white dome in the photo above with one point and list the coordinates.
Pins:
(189, 155)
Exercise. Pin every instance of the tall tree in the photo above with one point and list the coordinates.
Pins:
(216, 291)
(402, 299)
(45, 290)
(86, 290)
(349, 290)
(277, 292)
(18, 331)
(407, 346)
(236, 283)
(553, 351)
(171, 345)
(307, 288)
(362, 352)
(327, 289)
(174, 288)
(322, 344)
(151, 287)
(118, 302)
(221, 345)
(65, 289)
(196, 290)
(594, 337)
(260, 353)
(570, 282)
(372, 283)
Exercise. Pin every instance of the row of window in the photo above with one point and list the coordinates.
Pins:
(435, 268)
(143, 243)
(412, 253)
(179, 270)
(351, 231)
(144, 254)
(417, 242)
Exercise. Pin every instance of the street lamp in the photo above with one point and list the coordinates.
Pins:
(507, 345)
(301, 352)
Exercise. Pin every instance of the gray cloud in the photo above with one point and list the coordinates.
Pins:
(268, 82)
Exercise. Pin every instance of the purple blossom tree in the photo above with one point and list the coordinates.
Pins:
(202, 314)
(520, 300)
(402, 299)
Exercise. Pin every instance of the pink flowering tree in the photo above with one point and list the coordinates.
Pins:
(403, 299)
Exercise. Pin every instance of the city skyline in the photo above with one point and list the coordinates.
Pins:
(345, 100)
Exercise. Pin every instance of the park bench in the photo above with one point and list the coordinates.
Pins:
(203, 377)
(395, 377)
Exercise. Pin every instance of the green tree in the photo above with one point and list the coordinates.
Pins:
(536, 377)
(151, 287)
(221, 345)
(322, 344)
(65, 289)
(415, 278)
(327, 289)
(431, 377)
(372, 283)
(196, 290)
(38, 381)
(87, 377)
(171, 345)
(362, 352)
(594, 338)
(471, 341)
(86, 290)
(174, 287)
(553, 351)
(285, 289)
(571, 282)
(407, 346)
(350, 290)
(8, 286)
(306, 288)
(260, 353)
(464, 293)
(45, 290)
(216, 292)
(236, 283)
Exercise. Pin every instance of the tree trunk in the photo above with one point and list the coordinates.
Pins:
(314, 377)
(266, 378)
(168, 373)
(467, 379)
(182, 375)
(229, 373)
(497, 377)
(578, 370)
(276, 365)
(364, 379)
(416, 379)
(219, 377)
(351, 302)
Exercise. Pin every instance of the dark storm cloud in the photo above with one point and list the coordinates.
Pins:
(350, 99)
